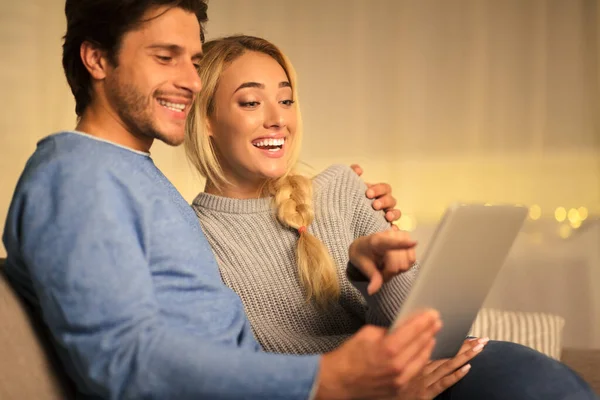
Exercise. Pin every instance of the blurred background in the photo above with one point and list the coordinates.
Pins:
(494, 101)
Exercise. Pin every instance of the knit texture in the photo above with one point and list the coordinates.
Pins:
(256, 257)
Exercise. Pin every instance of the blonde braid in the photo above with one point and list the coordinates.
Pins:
(316, 269)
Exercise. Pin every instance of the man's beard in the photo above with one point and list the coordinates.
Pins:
(135, 110)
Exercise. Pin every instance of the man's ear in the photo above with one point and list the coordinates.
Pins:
(94, 59)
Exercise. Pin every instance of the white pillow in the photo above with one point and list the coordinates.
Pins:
(540, 331)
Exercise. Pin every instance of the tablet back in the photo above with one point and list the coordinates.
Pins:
(459, 266)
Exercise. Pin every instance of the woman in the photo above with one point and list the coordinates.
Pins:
(283, 241)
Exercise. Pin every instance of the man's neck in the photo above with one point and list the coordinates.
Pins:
(105, 125)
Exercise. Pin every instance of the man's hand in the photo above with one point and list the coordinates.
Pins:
(439, 375)
(382, 255)
(382, 193)
(374, 363)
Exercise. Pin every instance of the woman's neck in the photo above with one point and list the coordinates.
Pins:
(250, 190)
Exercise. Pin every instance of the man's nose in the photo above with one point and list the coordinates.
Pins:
(188, 78)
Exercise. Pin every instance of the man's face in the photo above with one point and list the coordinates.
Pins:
(155, 81)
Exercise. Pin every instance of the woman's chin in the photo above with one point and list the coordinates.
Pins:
(274, 175)
(273, 172)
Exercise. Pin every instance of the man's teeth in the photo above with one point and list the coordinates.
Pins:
(172, 106)
(270, 143)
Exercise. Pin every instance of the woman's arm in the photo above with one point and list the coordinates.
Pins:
(365, 221)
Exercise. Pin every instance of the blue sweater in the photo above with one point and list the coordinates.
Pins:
(114, 260)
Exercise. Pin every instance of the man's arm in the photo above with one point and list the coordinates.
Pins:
(85, 257)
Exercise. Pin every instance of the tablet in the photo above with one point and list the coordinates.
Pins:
(459, 266)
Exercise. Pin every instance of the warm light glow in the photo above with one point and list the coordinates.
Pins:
(407, 223)
(583, 213)
(535, 212)
(573, 216)
(565, 231)
(576, 224)
(560, 214)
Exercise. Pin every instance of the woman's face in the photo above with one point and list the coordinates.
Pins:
(254, 120)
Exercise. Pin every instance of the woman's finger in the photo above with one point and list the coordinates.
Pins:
(375, 284)
(453, 364)
(412, 256)
(394, 262)
(382, 242)
(439, 386)
(433, 365)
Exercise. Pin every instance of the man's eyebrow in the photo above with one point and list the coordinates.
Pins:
(166, 46)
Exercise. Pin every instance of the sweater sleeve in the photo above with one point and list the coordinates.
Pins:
(384, 305)
(84, 251)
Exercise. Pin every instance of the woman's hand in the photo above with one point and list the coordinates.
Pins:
(382, 255)
(439, 375)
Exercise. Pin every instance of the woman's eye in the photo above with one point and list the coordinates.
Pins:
(288, 102)
(249, 104)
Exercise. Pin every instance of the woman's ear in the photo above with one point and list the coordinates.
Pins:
(208, 127)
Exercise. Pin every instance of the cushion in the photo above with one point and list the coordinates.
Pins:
(28, 369)
(540, 331)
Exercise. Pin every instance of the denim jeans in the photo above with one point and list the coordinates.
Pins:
(510, 371)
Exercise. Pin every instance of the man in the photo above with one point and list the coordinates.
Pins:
(113, 258)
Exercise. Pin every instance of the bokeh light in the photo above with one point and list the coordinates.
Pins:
(565, 231)
(407, 223)
(535, 212)
(560, 214)
(575, 224)
(573, 216)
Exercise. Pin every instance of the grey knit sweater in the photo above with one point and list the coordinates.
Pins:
(256, 256)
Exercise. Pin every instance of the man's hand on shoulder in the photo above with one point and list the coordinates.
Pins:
(382, 195)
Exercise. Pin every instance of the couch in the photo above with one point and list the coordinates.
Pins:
(29, 368)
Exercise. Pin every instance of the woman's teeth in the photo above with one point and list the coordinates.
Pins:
(270, 144)
(172, 106)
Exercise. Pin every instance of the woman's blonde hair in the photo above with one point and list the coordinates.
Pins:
(292, 193)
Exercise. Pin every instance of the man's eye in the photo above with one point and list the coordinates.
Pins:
(164, 59)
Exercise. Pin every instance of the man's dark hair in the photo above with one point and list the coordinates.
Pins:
(104, 23)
